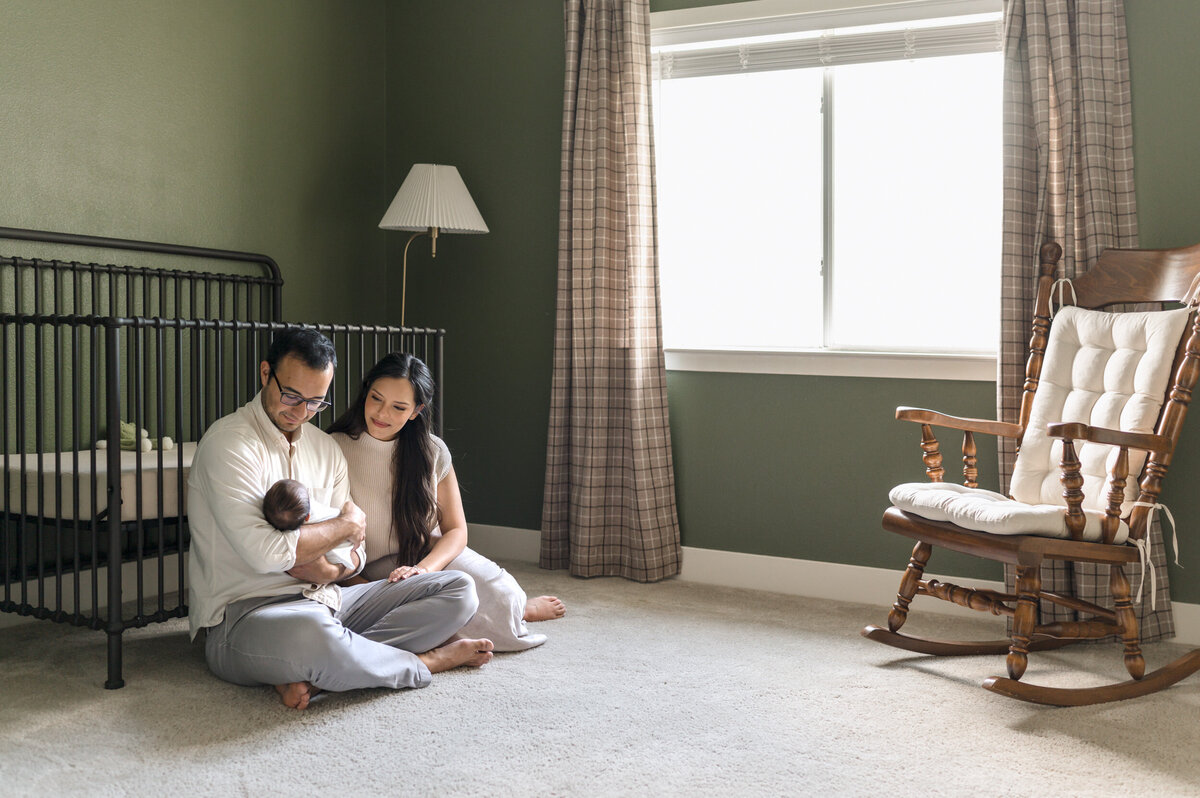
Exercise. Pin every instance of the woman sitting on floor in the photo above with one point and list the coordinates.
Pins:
(402, 478)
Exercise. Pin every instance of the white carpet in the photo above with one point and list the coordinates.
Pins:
(668, 689)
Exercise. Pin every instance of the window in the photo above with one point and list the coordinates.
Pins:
(831, 182)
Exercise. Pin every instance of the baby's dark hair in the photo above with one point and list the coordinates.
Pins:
(286, 505)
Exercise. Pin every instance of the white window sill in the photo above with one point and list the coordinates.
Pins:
(975, 368)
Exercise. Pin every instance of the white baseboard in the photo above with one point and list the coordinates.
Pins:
(835, 581)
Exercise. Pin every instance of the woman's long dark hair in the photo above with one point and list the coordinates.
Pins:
(414, 497)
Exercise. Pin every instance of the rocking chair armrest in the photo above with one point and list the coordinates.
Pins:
(1114, 437)
(921, 416)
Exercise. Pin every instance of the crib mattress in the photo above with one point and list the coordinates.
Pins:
(59, 468)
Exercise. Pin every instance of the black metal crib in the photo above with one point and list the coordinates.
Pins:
(95, 535)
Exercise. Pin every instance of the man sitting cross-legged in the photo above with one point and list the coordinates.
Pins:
(247, 579)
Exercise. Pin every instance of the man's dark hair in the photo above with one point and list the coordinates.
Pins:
(311, 347)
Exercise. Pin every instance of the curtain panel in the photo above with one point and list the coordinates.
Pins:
(609, 503)
(1068, 177)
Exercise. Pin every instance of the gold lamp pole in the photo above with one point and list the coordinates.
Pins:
(432, 199)
(432, 232)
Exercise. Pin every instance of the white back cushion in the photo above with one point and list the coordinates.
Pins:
(1103, 369)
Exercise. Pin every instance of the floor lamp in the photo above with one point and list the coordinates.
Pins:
(432, 199)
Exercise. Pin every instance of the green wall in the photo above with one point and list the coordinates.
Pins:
(1164, 66)
(285, 126)
(799, 466)
(1164, 69)
(254, 126)
(478, 85)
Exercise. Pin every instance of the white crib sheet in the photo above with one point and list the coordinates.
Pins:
(58, 467)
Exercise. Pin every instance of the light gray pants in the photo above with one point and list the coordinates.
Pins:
(372, 641)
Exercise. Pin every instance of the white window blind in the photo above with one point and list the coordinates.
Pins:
(832, 49)
(829, 48)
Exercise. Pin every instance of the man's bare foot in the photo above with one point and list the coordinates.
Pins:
(297, 694)
(544, 608)
(472, 653)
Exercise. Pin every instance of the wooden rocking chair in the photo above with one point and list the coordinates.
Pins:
(1104, 393)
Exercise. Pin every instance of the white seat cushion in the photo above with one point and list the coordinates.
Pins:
(1102, 369)
(987, 511)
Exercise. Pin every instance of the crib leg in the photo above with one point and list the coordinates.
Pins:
(115, 682)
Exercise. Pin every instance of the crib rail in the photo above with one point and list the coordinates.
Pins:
(53, 286)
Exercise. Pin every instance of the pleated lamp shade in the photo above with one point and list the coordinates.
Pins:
(433, 196)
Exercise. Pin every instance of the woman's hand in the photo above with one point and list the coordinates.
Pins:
(405, 571)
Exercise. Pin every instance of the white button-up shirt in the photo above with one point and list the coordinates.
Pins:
(235, 553)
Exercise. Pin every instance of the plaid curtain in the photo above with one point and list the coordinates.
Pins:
(1068, 177)
(609, 506)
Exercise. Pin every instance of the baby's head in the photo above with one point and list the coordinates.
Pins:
(286, 505)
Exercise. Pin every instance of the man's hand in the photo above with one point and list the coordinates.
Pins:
(353, 514)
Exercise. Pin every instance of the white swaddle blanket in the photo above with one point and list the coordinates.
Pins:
(329, 595)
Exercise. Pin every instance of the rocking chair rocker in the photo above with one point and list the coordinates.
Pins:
(1103, 394)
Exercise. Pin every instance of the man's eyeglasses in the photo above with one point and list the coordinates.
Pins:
(294, 399)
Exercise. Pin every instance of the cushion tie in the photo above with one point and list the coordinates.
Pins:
(1059, 285)
(1143, 546)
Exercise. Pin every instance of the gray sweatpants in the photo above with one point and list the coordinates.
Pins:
(372, 641)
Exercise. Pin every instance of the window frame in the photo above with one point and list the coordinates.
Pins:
(766, 17)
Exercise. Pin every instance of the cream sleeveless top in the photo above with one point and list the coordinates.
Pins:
(372, 477)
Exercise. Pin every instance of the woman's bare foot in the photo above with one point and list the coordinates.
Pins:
(472, 653)
(544, 608)
(297, 694)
